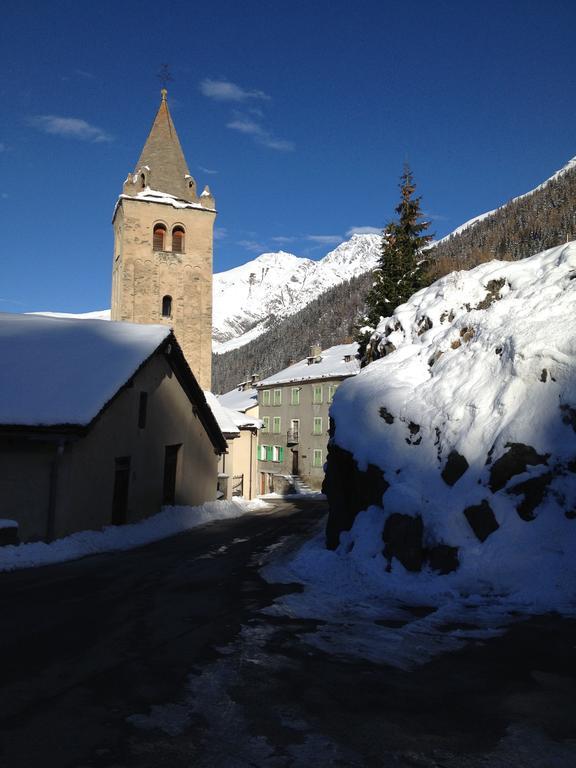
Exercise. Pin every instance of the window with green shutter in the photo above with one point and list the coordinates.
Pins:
(332, 391)
(277, 397)
(317, 458)
(317, 394)
(280, 453)
(269, 453)
(266, 424)
(276, 423)
(317, 429)
(295, 396)
(265, 397)
(262, 449)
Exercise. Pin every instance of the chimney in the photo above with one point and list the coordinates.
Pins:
(315, 355)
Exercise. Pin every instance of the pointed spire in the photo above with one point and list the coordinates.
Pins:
(163, 158)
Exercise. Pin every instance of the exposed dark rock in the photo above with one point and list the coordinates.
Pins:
(436, 356)
(492, 293)
(514, 462)
(533, 491)
(467, 334)
(414, 429)
(8, 536)
(386, 415)
(455, 467)
(456, 344)
(349, 491)
(482, 520)
(443, 558)
(569, 415)
(544, 375)
(498, 350)
(402, 537)
(387, 348)
(424, 325)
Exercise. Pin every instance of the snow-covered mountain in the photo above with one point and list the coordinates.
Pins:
(275, 285)
(570, 166)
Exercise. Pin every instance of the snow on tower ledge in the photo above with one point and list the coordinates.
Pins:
(455, 453)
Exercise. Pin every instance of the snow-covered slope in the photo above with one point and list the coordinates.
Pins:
(464, 435)
(276, 285)
(570, 165)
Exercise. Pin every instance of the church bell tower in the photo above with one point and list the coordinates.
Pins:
(163, 239)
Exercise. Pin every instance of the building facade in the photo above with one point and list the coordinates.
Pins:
(240, 466)
(100, 423)
(294, 409)
(163, 242)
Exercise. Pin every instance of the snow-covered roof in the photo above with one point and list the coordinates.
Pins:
(333, 365)
(222, 415)
(97, 314)
(64, 371)
(155, 196)
(229, 420)
(239, 399)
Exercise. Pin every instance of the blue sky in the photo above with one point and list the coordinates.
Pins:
(299, 115)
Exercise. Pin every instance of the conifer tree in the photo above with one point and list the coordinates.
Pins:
(399, 272)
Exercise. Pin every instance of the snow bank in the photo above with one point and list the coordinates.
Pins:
(168, 522)
(468, 424)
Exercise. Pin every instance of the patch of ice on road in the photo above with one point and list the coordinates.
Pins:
(173, 719)
(368, 614)
(169, 522)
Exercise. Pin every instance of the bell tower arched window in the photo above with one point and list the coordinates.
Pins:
(167, 306)
(178, 240)
(159, 237)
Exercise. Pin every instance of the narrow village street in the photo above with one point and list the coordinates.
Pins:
(162, 656)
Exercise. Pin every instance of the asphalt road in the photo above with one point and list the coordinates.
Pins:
(162, 657)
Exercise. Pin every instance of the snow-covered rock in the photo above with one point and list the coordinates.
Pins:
(275, 285)
(455, 453)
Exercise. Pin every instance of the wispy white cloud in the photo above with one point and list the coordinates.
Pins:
(261, 135)
(220, 233)
(11, 301)
(363, 231)
(224, 90)
(245, 125)
(283, 239)
(70, 128)
(252, 245)
(4, 195)
(282, 145)
(435, 216)
(209, 171)
(325, 239)
(85, 74)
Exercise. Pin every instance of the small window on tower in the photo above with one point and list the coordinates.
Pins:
(142, 181)
(167, 306)
(178, 240)
(159, 237)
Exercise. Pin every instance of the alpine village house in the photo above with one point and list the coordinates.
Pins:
(294, 408)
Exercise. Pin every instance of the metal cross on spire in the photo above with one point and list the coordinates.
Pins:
(165, 77)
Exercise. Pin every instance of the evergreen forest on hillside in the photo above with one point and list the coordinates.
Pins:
(521, 228)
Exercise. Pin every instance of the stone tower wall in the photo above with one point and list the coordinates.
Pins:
(141, 276)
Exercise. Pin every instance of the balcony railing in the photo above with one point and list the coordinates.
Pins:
(292, 437)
